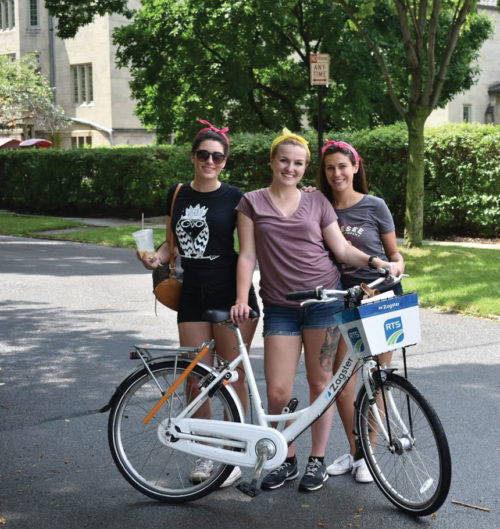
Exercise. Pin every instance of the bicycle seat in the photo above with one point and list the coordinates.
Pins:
(220, 315)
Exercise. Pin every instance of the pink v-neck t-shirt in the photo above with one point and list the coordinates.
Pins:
(290, 250)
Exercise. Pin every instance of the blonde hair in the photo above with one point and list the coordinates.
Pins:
(288, 137)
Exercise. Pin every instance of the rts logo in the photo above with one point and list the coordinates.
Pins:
(356, 340)
(394, 331)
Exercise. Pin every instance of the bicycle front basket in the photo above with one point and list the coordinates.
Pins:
(381, 326)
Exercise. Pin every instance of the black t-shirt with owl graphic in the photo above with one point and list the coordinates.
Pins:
(204, 225)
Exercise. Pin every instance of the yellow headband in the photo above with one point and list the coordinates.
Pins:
(287, 135)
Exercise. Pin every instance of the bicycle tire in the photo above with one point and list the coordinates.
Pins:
(416, 477)
(151, 467)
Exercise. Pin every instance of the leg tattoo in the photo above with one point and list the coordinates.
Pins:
(329, 348)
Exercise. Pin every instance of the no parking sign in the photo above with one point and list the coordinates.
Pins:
(320, 68)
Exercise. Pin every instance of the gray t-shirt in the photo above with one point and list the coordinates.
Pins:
(362, 225)
(290, 250)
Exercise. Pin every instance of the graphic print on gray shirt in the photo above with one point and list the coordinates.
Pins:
(362, 225)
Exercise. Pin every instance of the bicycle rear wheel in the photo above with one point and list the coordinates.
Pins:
(414, 470)
(157, 470)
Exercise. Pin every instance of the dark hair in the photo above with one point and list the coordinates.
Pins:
(359, 180)
(210, 135)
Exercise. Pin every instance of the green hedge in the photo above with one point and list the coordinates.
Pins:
(462, 176)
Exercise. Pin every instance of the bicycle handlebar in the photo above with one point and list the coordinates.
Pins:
(303, 294)
(321, 294)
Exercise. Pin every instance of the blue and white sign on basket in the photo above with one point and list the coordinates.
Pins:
(382, 325)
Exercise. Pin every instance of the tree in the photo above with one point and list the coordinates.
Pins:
(244, 62)
(26, 97)
(441, 40)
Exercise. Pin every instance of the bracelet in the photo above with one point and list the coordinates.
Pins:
(370, 262)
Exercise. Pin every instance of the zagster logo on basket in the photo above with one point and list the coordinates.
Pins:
(356, 340)
(394, 331)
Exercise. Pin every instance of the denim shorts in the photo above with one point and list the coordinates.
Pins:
(291, 321)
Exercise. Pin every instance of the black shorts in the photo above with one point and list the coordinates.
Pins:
(195, 300)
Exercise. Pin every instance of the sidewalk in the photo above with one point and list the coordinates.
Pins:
(159, 222)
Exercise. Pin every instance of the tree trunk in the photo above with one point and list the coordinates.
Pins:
(414, 213)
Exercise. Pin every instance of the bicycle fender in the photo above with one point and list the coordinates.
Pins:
(125, 382)
(119, 389)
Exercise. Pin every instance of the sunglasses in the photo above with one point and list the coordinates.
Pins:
(217, 157)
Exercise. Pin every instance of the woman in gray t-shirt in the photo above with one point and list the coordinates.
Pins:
(366, 222)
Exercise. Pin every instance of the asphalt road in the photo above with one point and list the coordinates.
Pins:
(69, 314)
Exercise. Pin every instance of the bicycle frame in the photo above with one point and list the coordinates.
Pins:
(218, 439)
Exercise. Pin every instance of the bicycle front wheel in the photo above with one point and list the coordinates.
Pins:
(157, 470)
(414, 469)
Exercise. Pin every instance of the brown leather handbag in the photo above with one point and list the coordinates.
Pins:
(166, 285)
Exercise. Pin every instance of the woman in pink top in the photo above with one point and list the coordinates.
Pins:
(285, 230)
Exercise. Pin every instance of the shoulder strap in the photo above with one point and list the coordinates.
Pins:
(171, 233)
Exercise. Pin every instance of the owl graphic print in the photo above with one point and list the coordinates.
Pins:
(193, 233)
(204, 226)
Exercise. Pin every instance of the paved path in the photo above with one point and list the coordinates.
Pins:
(159, 222)
(69, 313)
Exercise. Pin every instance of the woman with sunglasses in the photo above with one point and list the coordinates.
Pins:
(204, 221)
(285, 230)
(366, 222)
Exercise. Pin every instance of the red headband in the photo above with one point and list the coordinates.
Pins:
(341, 145)
(222, 132)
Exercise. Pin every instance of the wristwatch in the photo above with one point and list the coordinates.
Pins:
(370, 262)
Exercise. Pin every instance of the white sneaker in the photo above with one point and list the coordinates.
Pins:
(360, 472)
(342, 465)
(234, 476)
(201, 471)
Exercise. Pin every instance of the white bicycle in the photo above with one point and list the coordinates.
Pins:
(174, 409)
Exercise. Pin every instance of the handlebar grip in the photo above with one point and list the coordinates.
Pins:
(303, 294)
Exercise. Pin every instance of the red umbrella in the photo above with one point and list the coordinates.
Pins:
(36, 142)
(9, 143)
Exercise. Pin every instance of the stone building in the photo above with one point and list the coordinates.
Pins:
(481, 103)
(93, 92)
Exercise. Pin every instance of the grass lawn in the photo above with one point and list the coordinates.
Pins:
(456, 278)
(447, 278)
(26, 225)
(117, 236)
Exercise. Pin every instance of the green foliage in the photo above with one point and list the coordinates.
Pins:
(432, 60)
(26, 96)
(119, 180)
(246, 63)
(463, 180)
(462, 177)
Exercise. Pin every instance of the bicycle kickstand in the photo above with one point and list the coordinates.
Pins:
(265, 450)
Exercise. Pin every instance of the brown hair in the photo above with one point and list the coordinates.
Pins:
(359, 180)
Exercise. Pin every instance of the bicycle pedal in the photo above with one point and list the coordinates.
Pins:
(248, 488)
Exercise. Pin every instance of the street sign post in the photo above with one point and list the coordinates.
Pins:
(320, 76)
(320, 69)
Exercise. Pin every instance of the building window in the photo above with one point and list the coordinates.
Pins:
(77, 142)
(34, 13)
(83, 90)
(467, 113)
(7, 15)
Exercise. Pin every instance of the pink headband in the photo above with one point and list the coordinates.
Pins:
(222, 132)
(341, 145)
